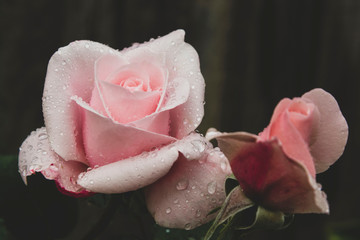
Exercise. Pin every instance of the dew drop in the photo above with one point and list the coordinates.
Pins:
(43, 136)
(176, 201)
(87, 45)
(182, 184)
(198, 213)
(174, 68)
(91, 182)
(199, 146)
(172, 43)
(211, 187)
(168, 210)
(187, 226)
(223, 165)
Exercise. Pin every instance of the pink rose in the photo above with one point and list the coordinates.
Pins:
(117, 121)
(277, 168)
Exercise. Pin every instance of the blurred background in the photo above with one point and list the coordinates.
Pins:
(252, 54)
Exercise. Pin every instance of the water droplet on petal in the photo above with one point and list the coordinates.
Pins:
(43, 136)
(91, 182)
(188, 226)
(211, 187)
(198, 213)
(176, 201)
(182, 184)
(223, 165)
(199, 146)
(168, 210)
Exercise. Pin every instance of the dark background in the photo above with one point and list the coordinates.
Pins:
(252, 54)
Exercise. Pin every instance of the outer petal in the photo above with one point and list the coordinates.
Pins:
(36, 156)
(139, 171)
(332, 133)
(182, 61)
(186, 195)
(106, 141)
(271, 179)
(70, 72)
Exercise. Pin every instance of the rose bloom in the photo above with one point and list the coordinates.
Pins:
(277, 168)
(117, 121)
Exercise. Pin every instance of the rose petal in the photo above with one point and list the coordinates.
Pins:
(292, 141)
(182, 61)
(106, 141)
(230, 141)
(332, 132)
(126, 106)
(108, 64)
(187, 194)
(272, 180)
(177, 94)
(70, 72)
(138, 171)
(36, 156)
(156, 123)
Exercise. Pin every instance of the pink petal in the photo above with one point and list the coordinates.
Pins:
(126, 106)
(229, 142)
(332, 132)
(293, 143)
(108, 64)
(70, 72)
(182, 62)
(177, 94)
(36, 156)
(106, 141)
(141, 170)
(272, 180)
(156, 123)
(187, 194)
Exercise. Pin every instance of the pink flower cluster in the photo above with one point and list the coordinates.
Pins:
(118, 121)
